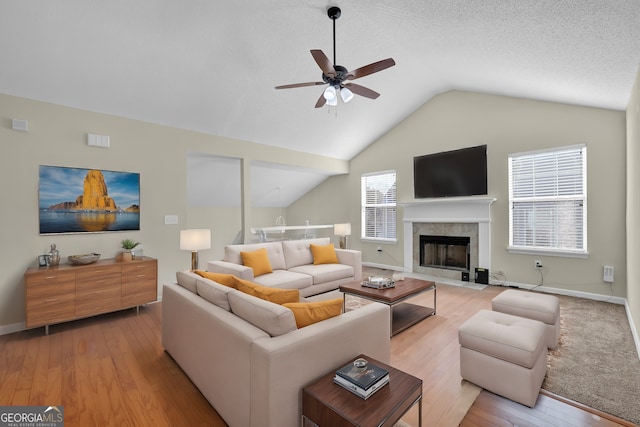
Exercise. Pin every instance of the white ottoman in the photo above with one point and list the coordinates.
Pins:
(504, 354)
(542, 307)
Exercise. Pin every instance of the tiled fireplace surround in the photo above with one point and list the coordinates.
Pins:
(460, 216)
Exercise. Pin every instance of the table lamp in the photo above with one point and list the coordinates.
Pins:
(193, 240)
(342, 230)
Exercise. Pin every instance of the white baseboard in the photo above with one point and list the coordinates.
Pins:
(559, 291)
(634, 331)
(14, 327)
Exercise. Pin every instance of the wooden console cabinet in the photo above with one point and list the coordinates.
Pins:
(68, 292)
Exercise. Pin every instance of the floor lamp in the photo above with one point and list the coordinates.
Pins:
(342, 230)
(193, 240)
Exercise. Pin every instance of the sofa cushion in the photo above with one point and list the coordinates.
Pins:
(187, 280)
(272, 318)
(324, 273)
(222, 278)
(275, 295)
(258, 260)
(274, 250)
(308, 313)
(324, 254)
(285, 279)
(298, 252)
(214, 292)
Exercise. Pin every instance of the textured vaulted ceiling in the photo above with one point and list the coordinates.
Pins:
(211, 66)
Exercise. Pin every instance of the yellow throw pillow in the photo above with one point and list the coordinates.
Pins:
(308, 313)
(275, 295)
(222, 278)
(324, 254)
(258, 261)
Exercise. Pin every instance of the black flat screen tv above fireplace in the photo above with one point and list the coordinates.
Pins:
(451, 173)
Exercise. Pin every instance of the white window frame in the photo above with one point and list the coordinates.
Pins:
(391, 236)
(552, 249)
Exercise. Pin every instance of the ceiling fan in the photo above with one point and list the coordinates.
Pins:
(337, 76)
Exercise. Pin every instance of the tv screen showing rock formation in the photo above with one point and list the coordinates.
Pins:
(74, 200)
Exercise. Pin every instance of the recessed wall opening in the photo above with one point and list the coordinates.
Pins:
(448, 252)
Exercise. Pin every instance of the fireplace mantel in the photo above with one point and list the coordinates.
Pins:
(449, 210)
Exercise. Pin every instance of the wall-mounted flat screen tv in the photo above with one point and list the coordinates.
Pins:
(451, 173)
(74, 200)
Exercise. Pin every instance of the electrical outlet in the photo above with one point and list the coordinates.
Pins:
(537, 263)
(607, 274)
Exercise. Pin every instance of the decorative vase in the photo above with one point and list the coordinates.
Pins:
(54, 256)
(126, 256)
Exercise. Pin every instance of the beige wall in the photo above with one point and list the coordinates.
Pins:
(507, 125)
(633, 203)
(57, 136)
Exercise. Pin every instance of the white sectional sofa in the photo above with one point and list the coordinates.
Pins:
(248, 359)
(293, 267)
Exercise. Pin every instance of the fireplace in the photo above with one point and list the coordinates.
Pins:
(450, 216)
(448, 252)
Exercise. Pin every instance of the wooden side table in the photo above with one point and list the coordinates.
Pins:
(326, 404)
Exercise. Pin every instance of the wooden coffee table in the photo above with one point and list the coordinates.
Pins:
(325, 403)
(403, 314)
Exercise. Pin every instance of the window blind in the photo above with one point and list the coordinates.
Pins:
(379, 205)
(547, 197)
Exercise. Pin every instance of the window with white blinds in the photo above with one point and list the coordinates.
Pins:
(548, 201)
(379, 206)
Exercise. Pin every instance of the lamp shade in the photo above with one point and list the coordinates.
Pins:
(346, 94)
(330, 93)
(195, 239)
(342, 229)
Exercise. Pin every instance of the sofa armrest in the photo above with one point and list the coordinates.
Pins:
(282, 366)
(225, 267)
(352, 258)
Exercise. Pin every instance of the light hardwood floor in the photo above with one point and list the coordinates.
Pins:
(111, 370)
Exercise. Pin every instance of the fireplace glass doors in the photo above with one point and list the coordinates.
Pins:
(449, 252)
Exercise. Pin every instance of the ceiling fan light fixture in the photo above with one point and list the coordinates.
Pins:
(330, 93)
(336, 75)
(346, 94)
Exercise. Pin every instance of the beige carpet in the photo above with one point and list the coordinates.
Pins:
(596, 362)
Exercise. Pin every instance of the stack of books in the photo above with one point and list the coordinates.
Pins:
(362, 382)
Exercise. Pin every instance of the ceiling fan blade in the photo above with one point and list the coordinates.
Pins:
(370, 69)
(321, 101)
(323, 62)
(362, 91)
(291, 86)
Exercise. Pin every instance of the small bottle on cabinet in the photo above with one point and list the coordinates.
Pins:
(54, 256)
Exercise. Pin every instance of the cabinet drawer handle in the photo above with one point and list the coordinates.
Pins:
(100, 281)
(50, 277)
(51, 300)
(141, 275)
